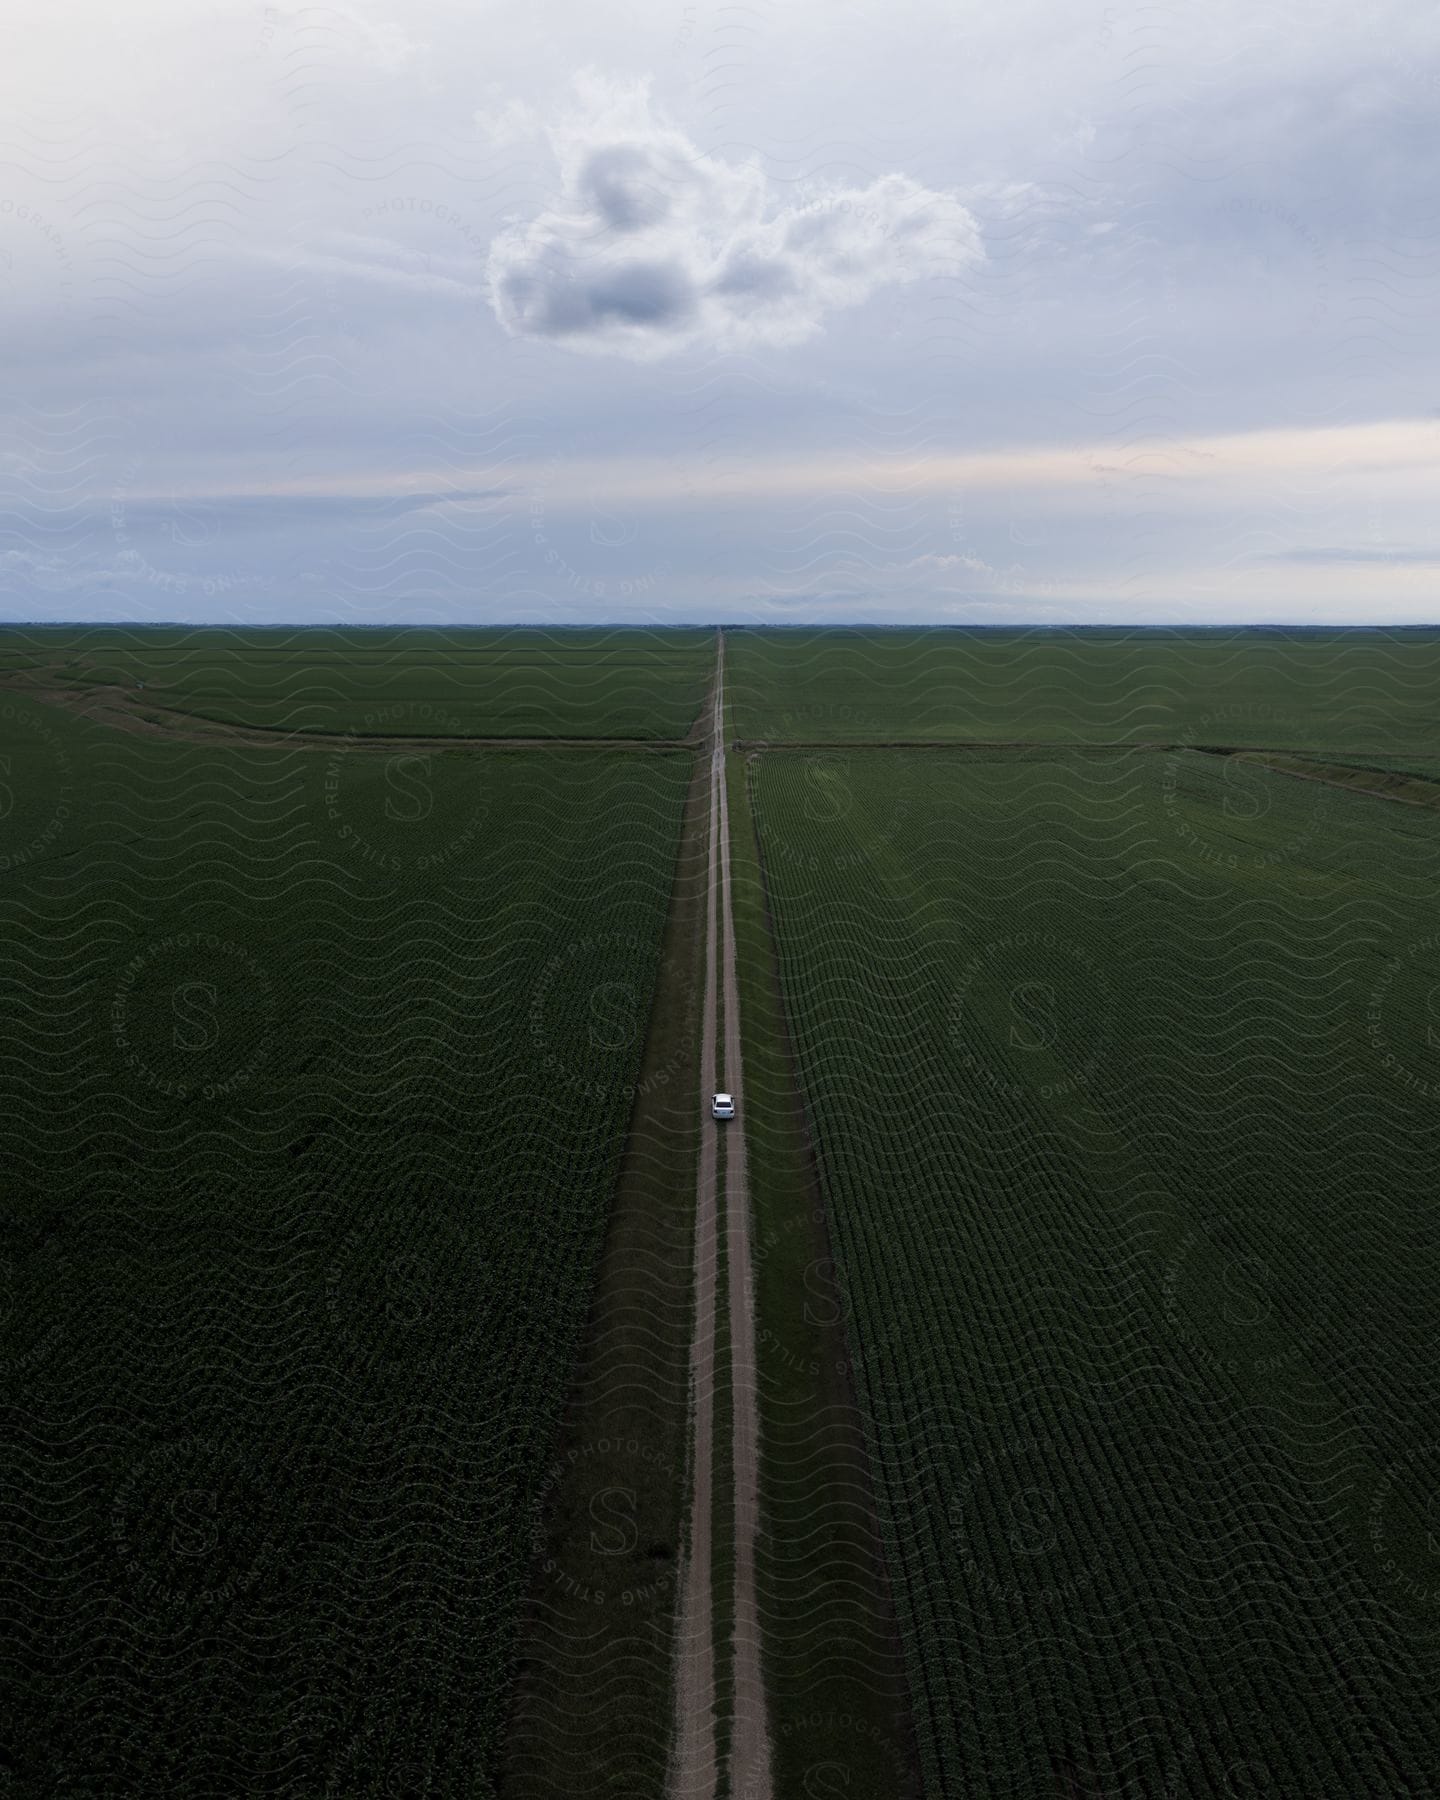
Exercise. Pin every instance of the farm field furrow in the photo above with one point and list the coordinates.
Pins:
(316, 1078)
(1372, 691)
(1121, 1072)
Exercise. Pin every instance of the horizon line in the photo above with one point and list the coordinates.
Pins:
(718, 625)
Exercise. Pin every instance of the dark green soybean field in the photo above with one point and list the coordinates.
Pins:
(1375, 691)
(513, 682)
(1093, 1056)
(315, 1070)
(1121, 1070)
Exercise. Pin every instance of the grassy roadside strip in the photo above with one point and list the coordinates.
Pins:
(592, 1702)
(839, 1712)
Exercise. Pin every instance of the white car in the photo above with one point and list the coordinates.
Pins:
(723, 1106)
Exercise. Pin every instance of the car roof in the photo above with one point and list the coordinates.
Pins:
(722, 1096)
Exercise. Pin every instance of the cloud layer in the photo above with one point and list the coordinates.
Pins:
(1195, 375)
(652, 246)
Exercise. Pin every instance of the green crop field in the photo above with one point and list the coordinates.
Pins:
(316, 1076)
(1121, 1071)
(352, 1174)
(1414, 763)
(395, 683)
(1377, 691)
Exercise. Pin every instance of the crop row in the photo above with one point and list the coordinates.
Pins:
(1365, 690)
(500, 683)
(1116, 1071)
(315, 1082)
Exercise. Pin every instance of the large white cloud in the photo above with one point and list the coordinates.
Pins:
(651, 246)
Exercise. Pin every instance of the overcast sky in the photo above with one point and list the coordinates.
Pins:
(447, 312)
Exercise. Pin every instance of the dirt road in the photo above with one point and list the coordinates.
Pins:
(694, 1772)
(750, 1743)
